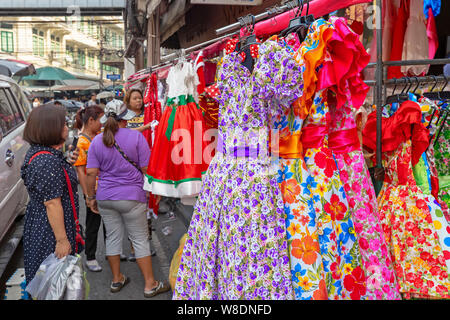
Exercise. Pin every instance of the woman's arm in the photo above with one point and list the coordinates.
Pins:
(55, 214)
(92, 174)
(82, 178)
(142, 128)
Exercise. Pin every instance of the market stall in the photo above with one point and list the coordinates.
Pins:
(285, 206)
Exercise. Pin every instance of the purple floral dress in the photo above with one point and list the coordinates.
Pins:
(236, 246)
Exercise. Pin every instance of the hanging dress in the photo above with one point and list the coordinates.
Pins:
(236, 246)
(345, 146)
(178, 156)
(309, 278)
(415, 45)
(333, 226)
(405, 212)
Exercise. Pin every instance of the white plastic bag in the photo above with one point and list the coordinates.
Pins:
(50, 280)
(77, 287)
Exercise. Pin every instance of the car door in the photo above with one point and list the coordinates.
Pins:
(12, 152)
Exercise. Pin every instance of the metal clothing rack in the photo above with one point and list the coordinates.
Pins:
(381, 82)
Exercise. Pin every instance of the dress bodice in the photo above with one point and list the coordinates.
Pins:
(248, 100)
(182, 80)
(398, 168)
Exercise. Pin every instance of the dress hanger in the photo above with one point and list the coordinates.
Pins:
(296, 22)
(249, 61)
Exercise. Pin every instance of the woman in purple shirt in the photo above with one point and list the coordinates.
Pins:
(119, 157)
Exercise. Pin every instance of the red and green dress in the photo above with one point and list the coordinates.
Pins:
(180, 151)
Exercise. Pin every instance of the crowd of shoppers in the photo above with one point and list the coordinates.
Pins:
(109, 166)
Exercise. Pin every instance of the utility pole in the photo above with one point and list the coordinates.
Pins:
(101, 55)
(153, 38)
(141, 9)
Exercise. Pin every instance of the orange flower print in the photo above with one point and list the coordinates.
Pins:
(321, 293)
(305, 249)
(335, 208)
(290, 189)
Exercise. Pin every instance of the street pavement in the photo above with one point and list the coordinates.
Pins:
(99, 282)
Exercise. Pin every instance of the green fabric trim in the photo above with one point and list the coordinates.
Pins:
(150, 179)
(444, 182)
(182, 101)
(420, 175)
(171, 123)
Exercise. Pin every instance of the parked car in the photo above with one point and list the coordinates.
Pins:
(14, 110)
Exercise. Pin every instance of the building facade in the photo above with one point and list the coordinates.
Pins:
(82, 46)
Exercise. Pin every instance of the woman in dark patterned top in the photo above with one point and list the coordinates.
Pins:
(49, 219)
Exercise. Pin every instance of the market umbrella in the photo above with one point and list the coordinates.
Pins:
(51, 74)
(70, 105)
(105, 95)
(17, 68)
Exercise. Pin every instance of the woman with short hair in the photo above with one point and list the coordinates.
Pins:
(50, 224)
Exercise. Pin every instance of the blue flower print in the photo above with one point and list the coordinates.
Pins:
(284, 175)
(298, 271)
(325, 264)
(348, 232)
(324, 237)
(308, 185)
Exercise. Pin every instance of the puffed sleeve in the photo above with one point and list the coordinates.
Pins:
(277, 75)
(48, 177)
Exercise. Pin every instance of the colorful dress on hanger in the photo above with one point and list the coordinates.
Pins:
(180, 150)
(307, 270)
(236, 246)
(336, 252)
(346, 148)
(408, 215)
(344, 142)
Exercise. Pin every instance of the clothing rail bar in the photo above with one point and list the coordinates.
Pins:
(176, 55)
(269, 12)
(408, 80)
(411, 62)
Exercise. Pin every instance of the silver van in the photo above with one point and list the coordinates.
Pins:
(14, 110)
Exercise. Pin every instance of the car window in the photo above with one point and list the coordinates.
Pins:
(18, 113)
(8, 116)
(24, 104)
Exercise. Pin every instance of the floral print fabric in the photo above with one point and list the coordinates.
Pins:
(381, 280)
(236, 246)
(407, 221)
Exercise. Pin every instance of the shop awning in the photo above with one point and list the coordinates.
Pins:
(50, 74)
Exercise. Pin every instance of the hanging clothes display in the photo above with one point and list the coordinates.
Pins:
(320, 230)
(398, 38)
(415, 45)
(354, 175)
(152, 115)
(176, 168)
(236, 246)
(408, 216)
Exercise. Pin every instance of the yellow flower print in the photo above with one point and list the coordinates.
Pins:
(304, 283)
(348, 268)
(321, 189)
(294, 229)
